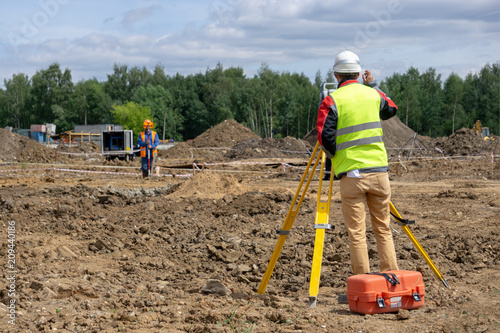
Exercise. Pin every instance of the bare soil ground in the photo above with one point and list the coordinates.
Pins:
(116, 253)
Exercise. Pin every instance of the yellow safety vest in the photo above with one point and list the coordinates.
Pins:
(359, 134)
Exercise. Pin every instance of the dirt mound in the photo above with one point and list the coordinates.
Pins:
(463, 142)
(270, 148)
(18, 148)
(396, 134)
(312, 137)
(179, 151)
(226, 134)
(209, 185)
(82, 148)
(183, 153)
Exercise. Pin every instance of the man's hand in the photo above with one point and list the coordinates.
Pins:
(149, 146)
(367, 77)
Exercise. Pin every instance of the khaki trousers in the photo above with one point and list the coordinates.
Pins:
(373, 190)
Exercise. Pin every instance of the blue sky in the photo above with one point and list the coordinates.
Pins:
(189, 36)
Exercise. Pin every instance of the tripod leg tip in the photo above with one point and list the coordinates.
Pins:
(312, 301)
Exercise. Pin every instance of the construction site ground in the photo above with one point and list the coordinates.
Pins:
(99, 249)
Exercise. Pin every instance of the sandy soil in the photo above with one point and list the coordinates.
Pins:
(116, 253)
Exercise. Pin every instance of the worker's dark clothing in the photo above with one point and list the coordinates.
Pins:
(328, 169)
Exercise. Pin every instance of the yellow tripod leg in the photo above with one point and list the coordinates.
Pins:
(290, 219)
(320, 224)
(420, 248)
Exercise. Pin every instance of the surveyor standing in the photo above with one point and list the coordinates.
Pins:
(350, 132)
(148, 141)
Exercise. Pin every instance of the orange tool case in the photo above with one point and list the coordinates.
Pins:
(385, 291)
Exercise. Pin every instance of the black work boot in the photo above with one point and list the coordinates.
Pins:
(145, 174)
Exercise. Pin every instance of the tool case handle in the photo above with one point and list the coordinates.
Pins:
(390, 277)
(390, 294)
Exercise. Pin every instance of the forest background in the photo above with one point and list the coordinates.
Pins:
(271, 103)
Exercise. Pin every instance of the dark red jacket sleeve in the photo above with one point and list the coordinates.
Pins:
(388, 108)
(327, 125)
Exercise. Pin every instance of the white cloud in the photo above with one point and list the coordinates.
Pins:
(140, 14)
(298, 36)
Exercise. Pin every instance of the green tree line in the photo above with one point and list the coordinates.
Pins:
(435, 108)
(271, 103)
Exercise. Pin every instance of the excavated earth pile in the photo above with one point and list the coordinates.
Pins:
(18, 148)
(226, 134)
(271, 148)
(116, 253)
(83, 148)
(402, 140)
(465, 142)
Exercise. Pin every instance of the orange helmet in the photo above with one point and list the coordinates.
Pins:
(148, 122)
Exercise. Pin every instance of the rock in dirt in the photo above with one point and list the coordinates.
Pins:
(144, 229)
(126, 316)
(494, 203)
(65, 252)
(210, 185)
(215, 287)
(36, 285)
(103, 198)
(100, 244)
(403, 314)
(46, 293)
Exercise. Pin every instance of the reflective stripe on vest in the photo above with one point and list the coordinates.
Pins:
(359, 142)
(360, 127)
(144, 149)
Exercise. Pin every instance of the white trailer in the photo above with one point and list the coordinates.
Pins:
(118, 144)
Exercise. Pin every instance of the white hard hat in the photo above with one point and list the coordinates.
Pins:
(347, 62)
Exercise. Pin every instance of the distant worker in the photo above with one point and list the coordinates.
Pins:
(148, 141)
(350, 133)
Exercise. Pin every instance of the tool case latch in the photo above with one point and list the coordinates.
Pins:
(417, 297)
(380, 302)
